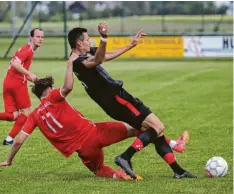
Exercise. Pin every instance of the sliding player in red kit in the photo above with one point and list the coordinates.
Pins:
(15, 90)
(73, 133)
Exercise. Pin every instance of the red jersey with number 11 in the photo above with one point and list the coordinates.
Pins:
(61, 124)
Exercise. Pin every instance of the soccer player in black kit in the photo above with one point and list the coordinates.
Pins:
(110, 95)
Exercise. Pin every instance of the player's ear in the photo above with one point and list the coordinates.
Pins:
(79, 43)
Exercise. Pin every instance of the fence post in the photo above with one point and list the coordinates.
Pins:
(29, 23)
(121, 17)
(163, 26)
(13, 30)
(65, 29)
(203, 18)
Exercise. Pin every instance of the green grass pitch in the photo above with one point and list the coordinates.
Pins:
(186, 95)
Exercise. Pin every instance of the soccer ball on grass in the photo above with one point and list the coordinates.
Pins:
(216, 167)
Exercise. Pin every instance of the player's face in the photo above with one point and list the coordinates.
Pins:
(38, 38)
(86, 43)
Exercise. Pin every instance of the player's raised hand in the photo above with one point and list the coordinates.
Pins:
(4, 164)
(140, 34)
(103, 29)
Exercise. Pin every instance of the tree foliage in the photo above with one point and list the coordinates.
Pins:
(120, 8)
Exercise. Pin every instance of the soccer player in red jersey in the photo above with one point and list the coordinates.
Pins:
(73, 133)
(15, 91)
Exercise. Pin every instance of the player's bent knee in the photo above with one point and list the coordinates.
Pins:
(162, 133)
(159, 130)
(159, 127)
(155, 123)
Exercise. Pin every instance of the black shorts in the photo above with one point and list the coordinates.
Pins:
(122, 106)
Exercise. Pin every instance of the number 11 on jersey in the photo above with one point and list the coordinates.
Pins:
(49, 115)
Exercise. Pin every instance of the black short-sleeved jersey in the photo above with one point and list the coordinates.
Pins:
(96, 79)
(109, 94)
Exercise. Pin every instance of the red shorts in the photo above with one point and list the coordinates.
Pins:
(107, 133)
(15, 95)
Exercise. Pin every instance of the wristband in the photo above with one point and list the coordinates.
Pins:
(103, 39)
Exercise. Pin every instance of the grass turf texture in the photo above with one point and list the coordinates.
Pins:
(191, 95)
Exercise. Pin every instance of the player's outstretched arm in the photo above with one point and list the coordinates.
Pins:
(116, 53)
(68, 80)
(18, 142)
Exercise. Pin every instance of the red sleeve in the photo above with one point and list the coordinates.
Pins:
(29, 125)
(56, 95)
(23, 53)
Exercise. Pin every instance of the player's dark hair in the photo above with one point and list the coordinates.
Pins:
(74, 35)
(33, 30)
(41, 85)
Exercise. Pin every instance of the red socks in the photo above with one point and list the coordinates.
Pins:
(137, 144)
(19, 123)
(169, 158)
(6, 116)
